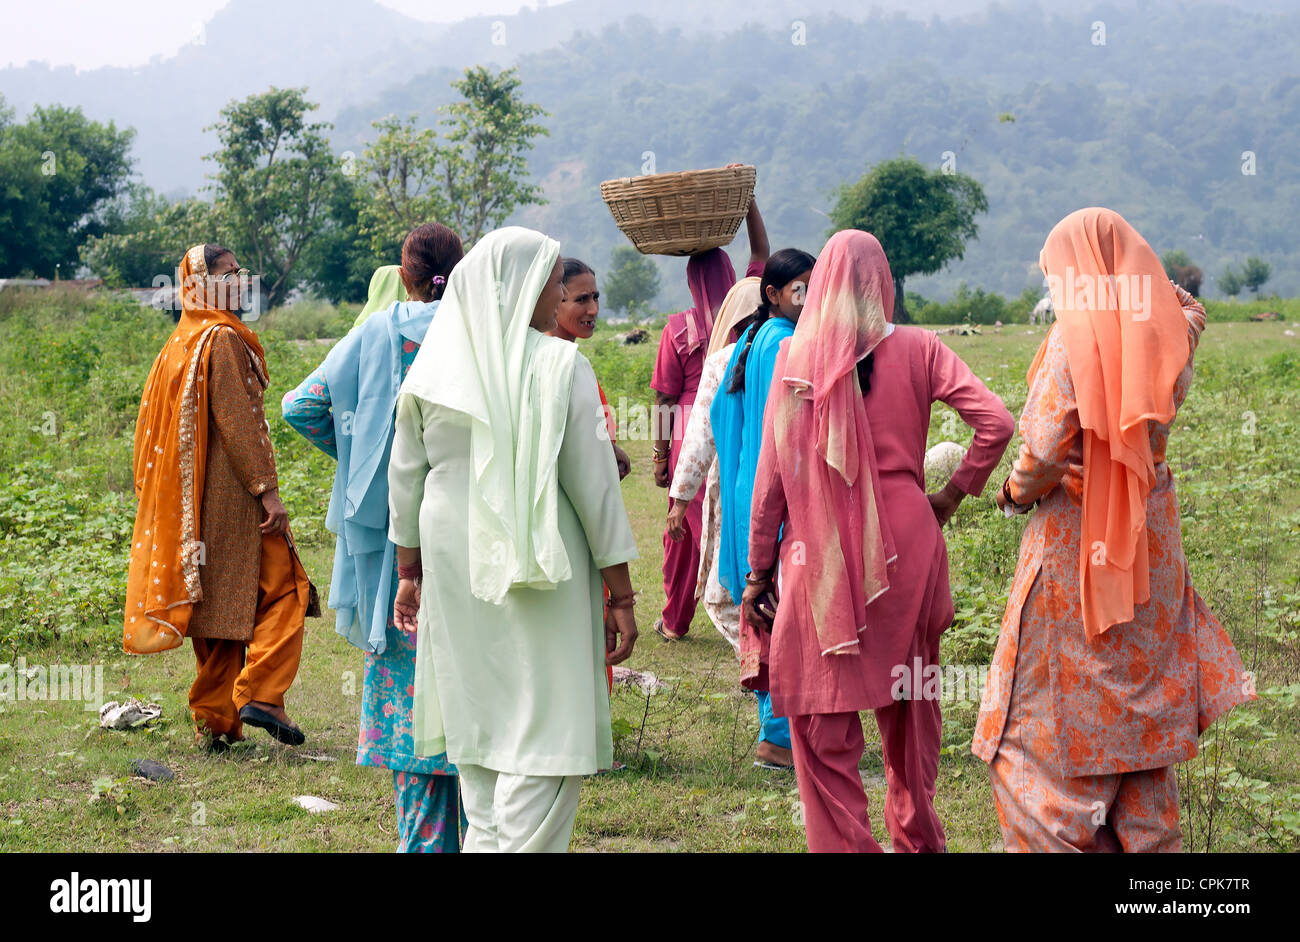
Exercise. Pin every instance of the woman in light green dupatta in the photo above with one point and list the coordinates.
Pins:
(385, 288)
(507, 515)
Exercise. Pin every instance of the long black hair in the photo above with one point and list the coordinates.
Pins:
(865, 366)
(782, 268)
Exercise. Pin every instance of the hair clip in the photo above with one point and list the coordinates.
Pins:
(438, 280)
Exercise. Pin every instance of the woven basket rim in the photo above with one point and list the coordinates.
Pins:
(682, 176)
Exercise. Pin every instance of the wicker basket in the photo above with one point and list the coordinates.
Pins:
(681, 213)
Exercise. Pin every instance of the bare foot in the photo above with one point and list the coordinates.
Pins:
(772, 754)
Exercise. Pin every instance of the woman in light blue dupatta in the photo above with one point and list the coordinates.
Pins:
(346, 408)
(737, 419)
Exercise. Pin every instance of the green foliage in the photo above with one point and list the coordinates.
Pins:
(966, 306)
(66, 507)
(489, 132)
(1174, 258)
(146, 237)
(58, 171)
(923, 218)
(401, 180)
(338, 263)
(1230, 282)
(632, 282)
(275, 181)
(1254, 272)
(471, 180)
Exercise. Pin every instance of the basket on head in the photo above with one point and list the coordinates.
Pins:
(681, 213)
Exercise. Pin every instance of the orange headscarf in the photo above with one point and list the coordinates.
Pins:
(1126, 341)
(823, 438)
(171, 446)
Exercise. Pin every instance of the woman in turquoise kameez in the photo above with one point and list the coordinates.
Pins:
(345, 408)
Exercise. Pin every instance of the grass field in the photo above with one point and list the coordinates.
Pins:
(71, 371)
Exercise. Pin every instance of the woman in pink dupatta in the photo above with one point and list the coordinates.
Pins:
(863, 577)
(678, 367)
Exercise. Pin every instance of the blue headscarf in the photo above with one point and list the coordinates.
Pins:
(364, 373)
(737, 420)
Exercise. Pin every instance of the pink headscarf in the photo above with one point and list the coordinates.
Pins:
(823, 438)
(710, 276)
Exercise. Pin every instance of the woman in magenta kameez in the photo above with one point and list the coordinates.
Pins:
(678, 366)
(863, 575)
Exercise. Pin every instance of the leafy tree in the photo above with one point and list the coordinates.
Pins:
(1231, 282)
(339, 262)
(1174, 259)
(57, 173)
(146, 237)
(403, 179)
(485, 170)
(471, 180)
(1180, 270)
(922, 218)
(632, 282)
(275, 181)
(1254, 272)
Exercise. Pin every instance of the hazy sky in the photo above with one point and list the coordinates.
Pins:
(91, 33)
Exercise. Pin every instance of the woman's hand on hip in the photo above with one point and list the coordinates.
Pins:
(944, 503)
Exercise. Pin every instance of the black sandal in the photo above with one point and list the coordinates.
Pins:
(289, 735)
(665, 634)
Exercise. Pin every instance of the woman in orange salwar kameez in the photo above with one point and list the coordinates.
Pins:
(1109, 665)
(211, 557)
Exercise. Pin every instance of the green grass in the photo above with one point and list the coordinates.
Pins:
(65, 518)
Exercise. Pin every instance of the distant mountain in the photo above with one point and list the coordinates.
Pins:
(348, 51)
(1151, 120)
(1153, 123)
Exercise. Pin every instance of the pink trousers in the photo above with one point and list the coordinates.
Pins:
(827, 749)
(681, 569)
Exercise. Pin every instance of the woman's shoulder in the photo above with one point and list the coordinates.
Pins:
(776, 326)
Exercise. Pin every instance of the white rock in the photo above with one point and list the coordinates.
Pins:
(314, 805)
(941, 462)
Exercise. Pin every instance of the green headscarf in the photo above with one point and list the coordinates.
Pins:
(385, 288)
(481, 357)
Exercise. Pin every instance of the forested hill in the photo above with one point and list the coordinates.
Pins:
(1146, 107)
(1153, 123)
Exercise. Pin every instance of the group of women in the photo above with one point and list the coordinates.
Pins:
(482, 542)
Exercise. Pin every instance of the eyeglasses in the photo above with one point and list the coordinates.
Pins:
(242, 275)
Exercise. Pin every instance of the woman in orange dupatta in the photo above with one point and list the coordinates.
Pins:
(211, 557)
(1109, 665)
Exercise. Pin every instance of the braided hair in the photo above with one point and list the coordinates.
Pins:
(782, 268)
